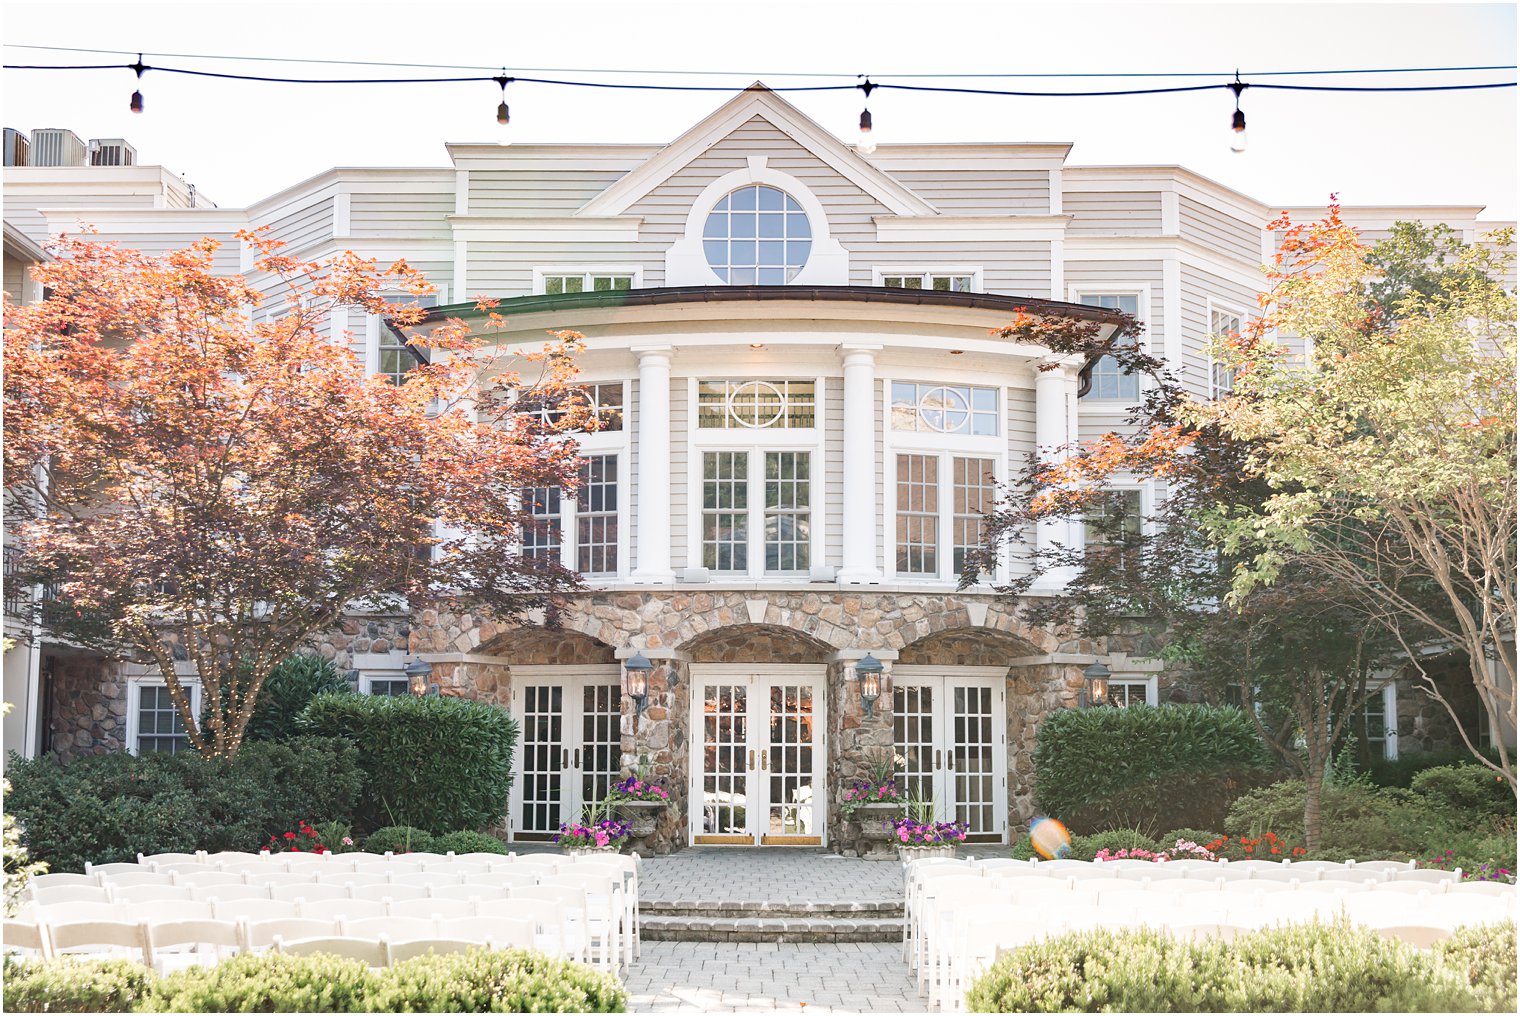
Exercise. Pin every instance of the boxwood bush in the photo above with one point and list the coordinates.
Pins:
(436, 763)
(398, 839)
(477, 981)
(468, 842)
(1471, 789)
(1401, 771)
(1146, 767)
(103, 808)
(1303, 968)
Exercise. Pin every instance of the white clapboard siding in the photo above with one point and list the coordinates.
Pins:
(1113, 213)
(1021, 444)
(958, 191)
(1220, 231)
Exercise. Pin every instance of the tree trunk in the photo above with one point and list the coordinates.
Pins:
(1314, 789)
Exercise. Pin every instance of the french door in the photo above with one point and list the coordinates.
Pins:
(569, 744)
(950, 729)
(757, 754)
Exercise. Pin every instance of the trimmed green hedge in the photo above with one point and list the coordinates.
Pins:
(1146, 767)
(467, 842)
(1401, 771)
(477, 981)
(103, 808)
(436, 763)
(1333, 967)
(398, 839)
(1466, 788)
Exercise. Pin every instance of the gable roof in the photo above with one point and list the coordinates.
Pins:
(756, 100)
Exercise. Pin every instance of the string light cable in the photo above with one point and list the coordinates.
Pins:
(864, 84)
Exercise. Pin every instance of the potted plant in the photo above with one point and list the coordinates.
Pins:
(874, 802)
(919, 834)
(639, 801)
(597, 833)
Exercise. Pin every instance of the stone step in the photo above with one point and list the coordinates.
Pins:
(770, 929)
(843, 909)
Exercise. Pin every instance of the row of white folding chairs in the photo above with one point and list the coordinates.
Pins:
(596, 902)
(169, 944)
(300, 861)
(947, 902)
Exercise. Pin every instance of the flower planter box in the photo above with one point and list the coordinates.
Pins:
(913, 853)
(876, 831)
(577, 851)
(643, 816)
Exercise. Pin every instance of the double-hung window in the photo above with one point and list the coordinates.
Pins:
(1379, 718)
(1224, 326)
(153, 724)
(393, 357)
(1124, 692)
(583, 531)
(756, 461)
(388, 686)
(1114, 517)
(556, 283)
(944, 281)
(944, 467)
(1108, 380)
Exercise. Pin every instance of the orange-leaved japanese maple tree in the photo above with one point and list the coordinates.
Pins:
(201, 474)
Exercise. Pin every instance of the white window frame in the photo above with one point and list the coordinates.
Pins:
(756, 442)
(374, 324)
(1142, 292)
(601, 442)
(1389, 692)
(380, 667)
(1147, 493)
(947, 448)
(135, 685)
(880, 272)
(541, 272)
(1152, 690)
(1211, 307)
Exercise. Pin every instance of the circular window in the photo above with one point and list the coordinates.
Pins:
(945, 409)
(756, 403)
(757, 235)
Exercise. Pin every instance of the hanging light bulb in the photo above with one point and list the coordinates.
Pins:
(503, 115)
(867, 143)
(137, 100)
(1238, 122)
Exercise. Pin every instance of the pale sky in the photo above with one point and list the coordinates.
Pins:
(240, 141)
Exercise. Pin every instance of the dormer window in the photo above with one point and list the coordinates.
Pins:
(757, 235)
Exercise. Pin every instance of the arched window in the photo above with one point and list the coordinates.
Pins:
(757, 235)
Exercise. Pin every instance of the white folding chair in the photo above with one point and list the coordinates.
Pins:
(200, 878)
(433, 908)
(395, 928)
(390, 865)
(627, 866)
(49, 895)
(484, 857)
(1503, 890)
(165, 936)
(279, 876)
(254, 911)
(424, 857)
(109, 937)
(472, 892)
(371, 952)
(62, 880)
(1155, 873)
(1398, 888)
(1196, 867)
(122, 879)
(1418, 935)
(454, 866)
(27, 937)
(182, 867)
(1228, 872)
(534, 862)
(498, 932)
(1282, 873)
(937, 928)
(506, 879)
(389, 891)
(400, 952)
(918, 878)
(1428, 875)
(78, 913)
(1183, 887)
(351, 909)
(1385, 866)
(1255, 864)
(355, 858)
(230, 892)
(428, 877)
(1126, 863)
(1337, 885)
(174, 910)
(1063, 864)
(171, 857)
(261, 934)
(353, 878)
(604, 908)
(221, 858)
(981, 933)
(252, 870)
(302, 861)
(113, 868)
(571, 912)
(308, 891)
(1326, 869)
(149, 893)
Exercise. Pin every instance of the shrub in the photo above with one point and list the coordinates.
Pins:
(268, 982)
(496, 981)
(1468, 790)
(74, 985)
(1202, 837)
(1151, 767)
(1358, 821)
(435, 763)
(1306, 968)
(290, 686)
(105, 808)
(398, 840)
(1083, 848)
(1484, 956)
(1401, 771)
(468, 842)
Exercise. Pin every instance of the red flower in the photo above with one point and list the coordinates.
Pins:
(290, 836)
(1274, 850)
(1248, 850)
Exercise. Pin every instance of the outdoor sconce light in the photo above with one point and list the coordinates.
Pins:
(1096, 678)
(636, 682)
(417, 673)
(868, 671)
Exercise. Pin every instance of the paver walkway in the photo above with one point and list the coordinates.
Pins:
(765, 976)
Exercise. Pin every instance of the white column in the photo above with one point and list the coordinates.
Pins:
(1055, 396)
(860, 511)
(652, 508)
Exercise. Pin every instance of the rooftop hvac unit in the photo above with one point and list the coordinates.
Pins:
(16, 147)
(112, 152)
(56, 146)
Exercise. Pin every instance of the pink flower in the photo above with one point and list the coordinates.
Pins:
(348, 841)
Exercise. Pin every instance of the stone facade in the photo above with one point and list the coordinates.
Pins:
(88, 705)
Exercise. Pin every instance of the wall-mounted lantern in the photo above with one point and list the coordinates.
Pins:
(868, 671)
(417, 673)
(636, 682)
(1095, 685)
